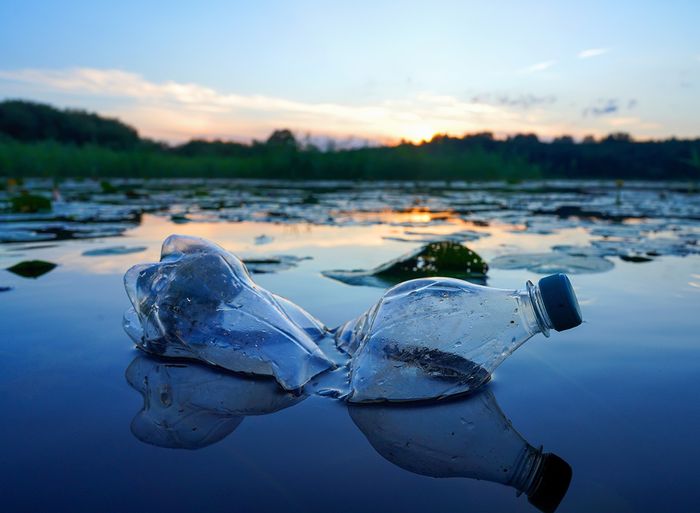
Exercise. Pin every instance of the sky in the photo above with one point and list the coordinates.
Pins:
(362, 70)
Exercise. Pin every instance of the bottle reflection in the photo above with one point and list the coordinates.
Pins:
(469, 438)
(189, 405)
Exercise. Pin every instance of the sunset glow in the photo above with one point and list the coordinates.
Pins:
(238, 72)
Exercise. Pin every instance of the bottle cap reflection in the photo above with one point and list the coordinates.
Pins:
(469, 438)
(188, 405)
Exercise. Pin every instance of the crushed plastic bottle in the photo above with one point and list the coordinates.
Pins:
(470, 438)
(435, 337)
(425, 339)
(200, 302)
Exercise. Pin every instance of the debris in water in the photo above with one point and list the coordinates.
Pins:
(199, 302)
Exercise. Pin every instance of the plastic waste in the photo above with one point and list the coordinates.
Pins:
(469, 438)
(435, 337)
(425, 339)
(199, 302)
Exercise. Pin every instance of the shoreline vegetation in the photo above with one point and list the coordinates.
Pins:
(38, 140)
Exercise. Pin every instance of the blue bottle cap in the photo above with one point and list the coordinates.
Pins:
(560, 302)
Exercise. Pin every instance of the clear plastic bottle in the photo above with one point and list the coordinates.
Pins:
(200, 302)
(434, 337)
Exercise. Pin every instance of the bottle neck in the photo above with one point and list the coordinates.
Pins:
(533, 310)
(527, 469)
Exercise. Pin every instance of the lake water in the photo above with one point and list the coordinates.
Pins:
(616, 398)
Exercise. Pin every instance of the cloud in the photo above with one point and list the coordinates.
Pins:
(604, 107)
(592, 52)
(177, 111)
(540, 66)
(523, 101)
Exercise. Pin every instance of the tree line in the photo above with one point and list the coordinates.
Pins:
(40, 140)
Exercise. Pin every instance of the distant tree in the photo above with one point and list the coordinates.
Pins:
(563, 139)
(589, 139)
(618, 137)
(282, 139)
(524, 139)
(30, 121)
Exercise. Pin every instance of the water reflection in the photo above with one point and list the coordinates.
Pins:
(469, 438)
(188, 405)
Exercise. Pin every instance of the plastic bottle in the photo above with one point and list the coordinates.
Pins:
(200, 302)
(424, 339)
(434, 337)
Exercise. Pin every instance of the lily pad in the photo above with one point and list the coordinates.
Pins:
(272, 264)
(636, 259)
(114, 250)
(445, 258)
(5, 289)
(461, 236)
(30, 203)
(32, 268)
(180, 218)
(108, 188)
(263, 239)
(555, 262)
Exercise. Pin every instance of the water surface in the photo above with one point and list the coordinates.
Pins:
(615, 398)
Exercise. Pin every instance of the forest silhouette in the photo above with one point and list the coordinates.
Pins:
(38, 140)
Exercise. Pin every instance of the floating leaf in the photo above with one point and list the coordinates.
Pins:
(29, 203)
(461, 236)
(180, 218)
(108, 188)
(555, 262)
(114, 250)
(263, 239)
(272, 264)
(32, 268)
(445, 258)
(637, 259)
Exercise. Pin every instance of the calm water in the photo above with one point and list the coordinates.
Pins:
(616, 398)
